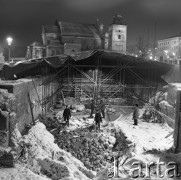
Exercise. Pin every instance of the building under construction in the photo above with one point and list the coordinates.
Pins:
(94, 73)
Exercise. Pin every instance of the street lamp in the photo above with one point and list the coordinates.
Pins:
(9, 40)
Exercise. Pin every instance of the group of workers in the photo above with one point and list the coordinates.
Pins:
(99, 109)
(96, 107)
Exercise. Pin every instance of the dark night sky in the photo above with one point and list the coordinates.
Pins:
(23, 19)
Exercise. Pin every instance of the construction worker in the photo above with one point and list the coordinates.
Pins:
(92, 108)
(135, 115)
(102, 108)
(66, 115)
(98, 119)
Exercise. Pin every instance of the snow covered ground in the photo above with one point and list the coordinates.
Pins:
(44, 156)
(145, 136)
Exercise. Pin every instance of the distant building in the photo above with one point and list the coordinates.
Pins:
(51, 38)
(34, 50)
(117, 35)
(80, 37)
(169, 50)
(66, 38)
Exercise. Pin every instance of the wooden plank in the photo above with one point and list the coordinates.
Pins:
(31, 108)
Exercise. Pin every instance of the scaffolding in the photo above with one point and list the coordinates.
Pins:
(97, 75)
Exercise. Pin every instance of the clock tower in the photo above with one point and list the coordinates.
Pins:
(117, 35)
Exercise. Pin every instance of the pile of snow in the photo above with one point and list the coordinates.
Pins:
(79, 108)
(79, 122)
(54, 162)
(20, 173)
(164, 104)
(160, 96)
(44, 159)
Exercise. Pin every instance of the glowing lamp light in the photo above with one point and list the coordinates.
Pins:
(9, 40)
(151, 57)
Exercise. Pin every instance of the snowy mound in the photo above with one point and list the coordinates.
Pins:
(45, 160)
(54, 162)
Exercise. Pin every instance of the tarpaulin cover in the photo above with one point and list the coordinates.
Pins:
(30, 67)
(91, 58)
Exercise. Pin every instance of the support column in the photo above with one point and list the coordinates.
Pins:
(177, 130)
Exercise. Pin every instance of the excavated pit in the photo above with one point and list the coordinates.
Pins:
(96, 150)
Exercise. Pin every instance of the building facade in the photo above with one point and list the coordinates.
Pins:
(169, 50)
(81, 37)
(51, 39)
(117, 35)
(34, 50)
(67, 38)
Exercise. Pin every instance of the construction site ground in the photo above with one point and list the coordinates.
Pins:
(146, 142)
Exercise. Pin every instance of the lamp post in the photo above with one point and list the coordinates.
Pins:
(9, 41)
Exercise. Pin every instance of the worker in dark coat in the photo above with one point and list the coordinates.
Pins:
(135, 115)
(66, 115)
(92, 106)
(98, 119)
(102, 108)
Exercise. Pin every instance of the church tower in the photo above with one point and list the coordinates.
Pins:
(117, 35)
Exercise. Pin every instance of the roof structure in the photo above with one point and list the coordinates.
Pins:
(171, 37)
(80, 30)
(150, 70)
(51, 29)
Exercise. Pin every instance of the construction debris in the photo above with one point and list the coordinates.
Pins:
(88, 147)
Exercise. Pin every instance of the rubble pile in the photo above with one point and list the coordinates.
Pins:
(49, 122)
(93, 149)
(90, 148)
